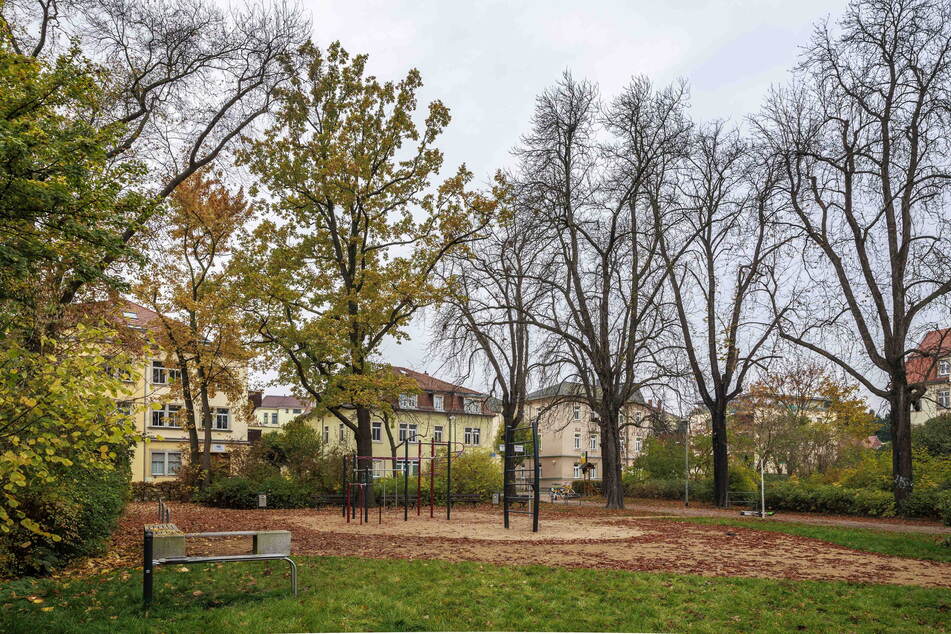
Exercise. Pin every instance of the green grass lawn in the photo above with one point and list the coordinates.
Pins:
(351, 594)
(916, 545)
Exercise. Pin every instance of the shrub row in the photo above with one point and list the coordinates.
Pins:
(795, 496)
(242, 493)
(171, 491)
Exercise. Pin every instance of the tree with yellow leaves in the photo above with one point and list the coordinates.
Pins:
(190, 286)
(352, 231)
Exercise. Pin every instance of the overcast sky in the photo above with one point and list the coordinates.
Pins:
(488, 60)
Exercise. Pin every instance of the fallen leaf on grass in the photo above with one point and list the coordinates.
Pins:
(197, 593)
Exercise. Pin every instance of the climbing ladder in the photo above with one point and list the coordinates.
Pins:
(520, 484)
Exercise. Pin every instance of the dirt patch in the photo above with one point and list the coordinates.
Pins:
(606, 540)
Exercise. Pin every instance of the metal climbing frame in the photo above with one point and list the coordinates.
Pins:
(358, 481)
(521, 484)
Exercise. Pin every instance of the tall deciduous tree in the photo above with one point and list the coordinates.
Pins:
(191, 286)
(482, 328)
(181, 80)
(595, 176)
(863, 140)
(725, 241)
(346, 254)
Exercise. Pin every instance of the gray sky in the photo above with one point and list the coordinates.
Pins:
(487, 60)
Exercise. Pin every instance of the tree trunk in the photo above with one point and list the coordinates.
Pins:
(206, 427)
(365, 449)
(721, 467)
(611, 465)
(901, 438)
(194, 451)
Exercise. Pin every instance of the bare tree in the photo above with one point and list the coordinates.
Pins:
(606, 324)
(184, 79)
(726, 241)
(481, 327)
(863, 140)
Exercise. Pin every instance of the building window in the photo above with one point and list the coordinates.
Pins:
(944, 398)
(222, 420)
(166, 463)
(341, 432)
(576, 472)
(472, 435)
(264, 418)
(592, 441)
(326, 434)
(407, 431)
(437, 433)
(296, 411)
(576, 414)
(577, 440)
(944, 367)
(408, 401)
(472, 406)
(274, 418)
(162, 375)
(593, 472)
(376, 432)
(413, 467)
(124, 407)
(438, 402)
(637, 445)
(166, 416)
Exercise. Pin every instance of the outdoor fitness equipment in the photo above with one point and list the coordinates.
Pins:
(517, 487)
(358, 481)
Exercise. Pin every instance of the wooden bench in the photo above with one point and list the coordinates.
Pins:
(329, 499)
(466, 498)
(164, 544)
(750, 499)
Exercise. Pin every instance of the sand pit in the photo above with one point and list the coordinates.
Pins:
(471, 525)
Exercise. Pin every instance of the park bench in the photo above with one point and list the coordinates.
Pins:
(466, 498)
(566, 495)
(329, 499)
(164, 544)
(750, 499)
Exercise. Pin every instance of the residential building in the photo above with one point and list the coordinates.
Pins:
(931, 365)
(158, 410)
(569, 433)
(439, 410)
(272, 412)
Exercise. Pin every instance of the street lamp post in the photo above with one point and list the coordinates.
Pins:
(686, 462)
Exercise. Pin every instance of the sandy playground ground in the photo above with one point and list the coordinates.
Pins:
(583, 537)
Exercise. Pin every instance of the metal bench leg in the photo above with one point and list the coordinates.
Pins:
(293, 574)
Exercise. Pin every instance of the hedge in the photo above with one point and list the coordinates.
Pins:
(82, 509)
(790, 495)
(242, 493)
(170, 491)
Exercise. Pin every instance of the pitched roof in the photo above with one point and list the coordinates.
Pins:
(921, 366)
(432, 384)
(573, 388)
(288, 402)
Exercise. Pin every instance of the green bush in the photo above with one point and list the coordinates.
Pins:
(171, 491)
(943, 506)
(587, 487)
(934, 436)
(242, 493)
(796, 496)
(81, 510)
(475, 472)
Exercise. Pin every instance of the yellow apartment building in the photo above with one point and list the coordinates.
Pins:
(162, 442)
(440, 411)
(272, 412)
(568, 432)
